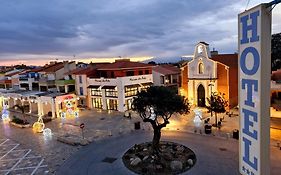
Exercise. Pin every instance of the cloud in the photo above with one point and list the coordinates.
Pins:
(95, 28)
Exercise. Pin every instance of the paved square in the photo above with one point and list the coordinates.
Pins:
(16, 160)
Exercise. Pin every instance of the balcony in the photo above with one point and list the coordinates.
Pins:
(46, 82)
(65, 82)
(23, 79)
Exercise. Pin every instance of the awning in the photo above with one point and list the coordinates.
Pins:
(147, 84)
(132, 86)
(108, 87)
(93, 86)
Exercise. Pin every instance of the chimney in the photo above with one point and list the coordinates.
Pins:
(214, 52)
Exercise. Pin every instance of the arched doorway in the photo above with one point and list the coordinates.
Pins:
(201, 96)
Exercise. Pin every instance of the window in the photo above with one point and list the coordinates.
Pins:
(130, 73)
(80, 79)
(95, 92)
(97, 103)
(129, 104)
(201, 68)
(161, 79)
(140, 72)
(81, 91)
(111, 93)
(131, 91)
(111, 104)
(146, 71)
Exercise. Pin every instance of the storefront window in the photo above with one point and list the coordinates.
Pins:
(111, 104)
(131, 91)
(95, 92)
(97, 103)
(111, 93)
(129, 104)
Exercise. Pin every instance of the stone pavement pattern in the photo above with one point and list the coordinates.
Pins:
(15, 159)
(215, 155)
(99, 126)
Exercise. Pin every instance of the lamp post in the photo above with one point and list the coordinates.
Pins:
(211, 85)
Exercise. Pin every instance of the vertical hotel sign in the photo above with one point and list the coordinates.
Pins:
(254, 90)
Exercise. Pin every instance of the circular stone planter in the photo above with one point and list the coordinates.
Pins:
(173, 159)
(20, 125)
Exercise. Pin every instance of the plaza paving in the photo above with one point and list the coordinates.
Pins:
(215, 155)
(16, 159)
(103, 127)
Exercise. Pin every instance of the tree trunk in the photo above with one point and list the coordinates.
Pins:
(156, 140)
(216, 119)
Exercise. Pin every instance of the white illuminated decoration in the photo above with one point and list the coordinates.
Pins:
(198, 117)
(39, 125)
(5, 114)
(47, 132)
(152, 114)
(76, 114)
(63, 115)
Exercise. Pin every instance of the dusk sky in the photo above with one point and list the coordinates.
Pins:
(36, 31)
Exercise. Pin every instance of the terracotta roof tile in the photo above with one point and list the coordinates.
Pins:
(53, 68)
(124, 64)
(166, 70)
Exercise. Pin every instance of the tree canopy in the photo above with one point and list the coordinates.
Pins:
(159, 102)
(164, 101)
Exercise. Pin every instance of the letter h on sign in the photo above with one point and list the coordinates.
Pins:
(252, 27)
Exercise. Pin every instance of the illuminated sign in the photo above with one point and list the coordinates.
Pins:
(254, 90)
(102, 80)
(138, 78)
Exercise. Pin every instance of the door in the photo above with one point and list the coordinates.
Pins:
(201, 96)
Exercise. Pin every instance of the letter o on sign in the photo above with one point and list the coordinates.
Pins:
(256, 57)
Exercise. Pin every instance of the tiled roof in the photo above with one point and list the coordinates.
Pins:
(89, 71)
(166, 69)
(124, 64)
(230, 60)
(15, 73)
(53, 68)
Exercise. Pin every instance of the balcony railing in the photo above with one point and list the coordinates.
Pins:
(65, 82)
(45, 81)
(23, 79)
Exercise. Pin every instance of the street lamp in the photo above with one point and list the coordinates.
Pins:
(211, 85)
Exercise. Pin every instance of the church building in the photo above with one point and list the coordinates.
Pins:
(209, 72)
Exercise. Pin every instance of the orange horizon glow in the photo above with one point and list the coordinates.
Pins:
(42, 62)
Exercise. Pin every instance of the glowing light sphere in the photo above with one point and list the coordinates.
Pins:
(39, 125)
(47, 132)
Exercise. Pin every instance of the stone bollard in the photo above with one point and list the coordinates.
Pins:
(227, 135)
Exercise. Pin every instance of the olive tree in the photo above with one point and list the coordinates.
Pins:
(217, 103)
(157, 105)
